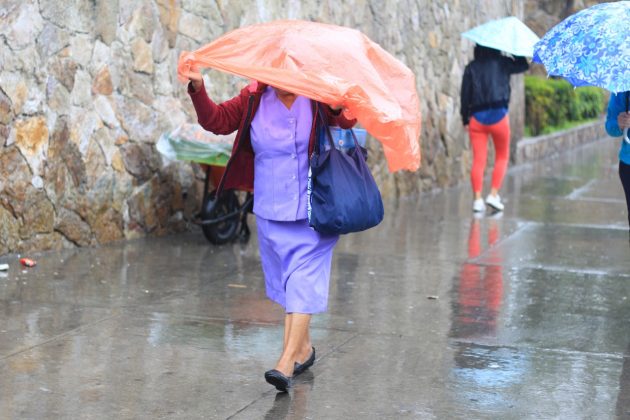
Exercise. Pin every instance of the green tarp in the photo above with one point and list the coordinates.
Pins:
(190, 142)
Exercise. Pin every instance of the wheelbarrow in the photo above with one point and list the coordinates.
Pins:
(222, 219)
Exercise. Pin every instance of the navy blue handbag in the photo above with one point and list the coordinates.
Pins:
(343, 196)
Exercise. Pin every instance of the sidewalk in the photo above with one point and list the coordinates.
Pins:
(433, 315)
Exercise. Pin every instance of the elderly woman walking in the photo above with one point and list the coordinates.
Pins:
(275, 138)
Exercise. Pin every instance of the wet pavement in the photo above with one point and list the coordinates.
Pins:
(435, 314)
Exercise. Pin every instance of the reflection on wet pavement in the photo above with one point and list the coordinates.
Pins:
(433, 314)
(479, 287)
(293, 406)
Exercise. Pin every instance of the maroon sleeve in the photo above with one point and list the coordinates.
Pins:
(338, 119)
(223, 118)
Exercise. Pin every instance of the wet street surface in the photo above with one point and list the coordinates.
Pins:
(434, 314)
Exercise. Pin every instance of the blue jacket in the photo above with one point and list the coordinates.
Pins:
(616, 105)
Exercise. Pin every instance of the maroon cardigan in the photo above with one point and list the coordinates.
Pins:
(237, 114)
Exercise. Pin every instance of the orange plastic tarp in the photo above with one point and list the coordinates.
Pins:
(330, 64)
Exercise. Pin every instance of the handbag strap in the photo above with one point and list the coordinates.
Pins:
(326, 127)
(354, 137)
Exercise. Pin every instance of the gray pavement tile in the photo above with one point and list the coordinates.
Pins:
(391, 377)
(582, 249)
(541, 308)
(526, 383)
(231, 298)
(363, 295)
(135, 367)
(139, 273)
(548, 186)
(568, 211)
(442, 238)
(602, 190)
(24, 325)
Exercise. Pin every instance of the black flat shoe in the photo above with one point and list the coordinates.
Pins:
(301, 367)
(277, 379)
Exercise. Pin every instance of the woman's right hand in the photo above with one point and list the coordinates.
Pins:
(194, 75)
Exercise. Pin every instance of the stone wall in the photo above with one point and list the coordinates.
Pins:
(88, 86)
(540, 15)
(535, 148)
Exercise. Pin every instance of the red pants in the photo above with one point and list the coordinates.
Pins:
(478, 133)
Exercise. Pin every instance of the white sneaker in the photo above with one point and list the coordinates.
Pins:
(478, 205)
(494, 201)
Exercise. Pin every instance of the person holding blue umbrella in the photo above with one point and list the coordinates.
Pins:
(618, 120)
(590, 48)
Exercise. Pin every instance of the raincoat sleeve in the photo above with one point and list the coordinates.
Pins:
(224, 118)
(615, 106)
(517, 65)
(466, 93)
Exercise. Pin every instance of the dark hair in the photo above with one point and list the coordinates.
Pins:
(485, 52)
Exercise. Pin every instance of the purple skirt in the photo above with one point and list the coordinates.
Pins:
(296, 263)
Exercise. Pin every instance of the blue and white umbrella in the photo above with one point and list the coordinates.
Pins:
(508, 34)
(590, 48)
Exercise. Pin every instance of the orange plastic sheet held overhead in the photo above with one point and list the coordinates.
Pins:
(330, 64)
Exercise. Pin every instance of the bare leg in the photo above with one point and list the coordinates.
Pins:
(287, 329)
(478, 195)
(494, 192)
(298, 345)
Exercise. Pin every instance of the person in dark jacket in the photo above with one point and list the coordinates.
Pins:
(274, 141)
(485, 96)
